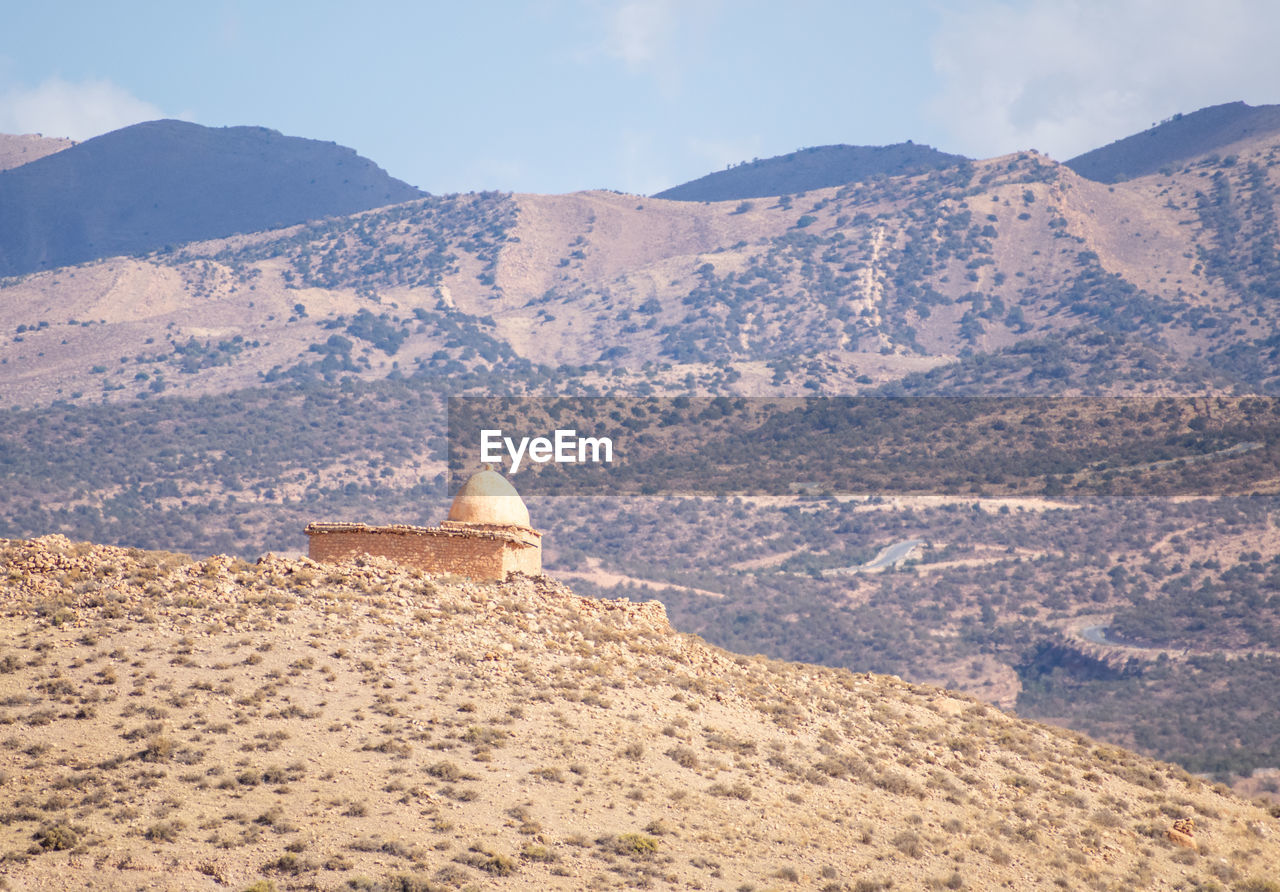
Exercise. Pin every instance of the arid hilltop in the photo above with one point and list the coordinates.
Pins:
(19, 149)
(210, 724)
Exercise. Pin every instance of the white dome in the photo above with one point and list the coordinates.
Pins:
(489, 498)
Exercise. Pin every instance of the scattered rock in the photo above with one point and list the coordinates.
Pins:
(1182, 833)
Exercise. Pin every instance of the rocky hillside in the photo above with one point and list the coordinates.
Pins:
(1175, 142)
(183, 724)
(19, 149)
(152, 186)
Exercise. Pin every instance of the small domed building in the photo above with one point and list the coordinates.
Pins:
(487, 535)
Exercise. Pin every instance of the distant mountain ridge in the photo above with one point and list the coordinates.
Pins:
(19, 149)
(168, 182)
(814, 168)
(1175, 141)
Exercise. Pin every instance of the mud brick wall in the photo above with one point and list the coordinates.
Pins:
(522, 560)
(434, 551)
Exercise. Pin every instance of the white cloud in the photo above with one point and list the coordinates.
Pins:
(77, 110)
(656, 38)
(1066, 76)
(639, 31)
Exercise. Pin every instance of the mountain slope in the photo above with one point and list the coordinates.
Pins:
(1013, 275)
(840, 290)
(843, 289)
(162, 183)
(1177, 141)
(199, 725)
(815, 168)
(19, 149)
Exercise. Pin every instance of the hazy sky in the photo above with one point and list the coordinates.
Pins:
(636, 95)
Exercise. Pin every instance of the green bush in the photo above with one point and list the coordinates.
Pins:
(57, 837)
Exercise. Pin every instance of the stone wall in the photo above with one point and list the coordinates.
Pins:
(482, 553)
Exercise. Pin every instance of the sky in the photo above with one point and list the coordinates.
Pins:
(634, 95)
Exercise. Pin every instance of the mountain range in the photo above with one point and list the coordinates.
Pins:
(1013, 274)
